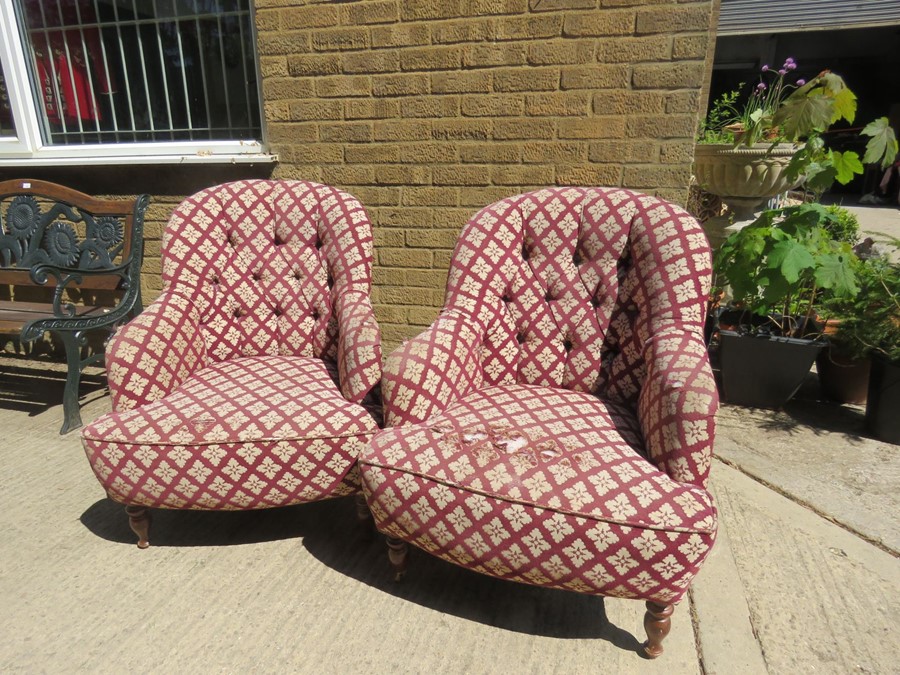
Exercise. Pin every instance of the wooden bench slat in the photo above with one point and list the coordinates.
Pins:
(19, 277)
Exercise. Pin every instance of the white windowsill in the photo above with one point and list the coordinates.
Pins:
(197, 158)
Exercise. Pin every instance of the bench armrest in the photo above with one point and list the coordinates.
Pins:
(677, 405)
(439, 366)
(155, 352)
(359, 345)
(65, 313)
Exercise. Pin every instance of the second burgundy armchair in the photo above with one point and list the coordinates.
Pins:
(555, 425)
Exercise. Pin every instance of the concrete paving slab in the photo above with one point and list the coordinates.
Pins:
(728, 642)
(283, 590)
(818, 454)
(821, 599)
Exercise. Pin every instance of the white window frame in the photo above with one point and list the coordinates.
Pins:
(27, 148)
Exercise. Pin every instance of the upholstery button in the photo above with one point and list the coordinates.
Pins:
(276, 241)
(315, 315)
(548, 296)
(506, 298)
(577, 259)
(567, 345)
(318, 244)
(214, 279)
(297, 274)
(238, 313)
(520, 338)
(330, 281)
(277, 311)
(525, 253)
(254, 276)
(595, 302)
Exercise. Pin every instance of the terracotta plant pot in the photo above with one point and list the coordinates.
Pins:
(842, 378)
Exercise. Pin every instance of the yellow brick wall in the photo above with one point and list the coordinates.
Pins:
(427, 110)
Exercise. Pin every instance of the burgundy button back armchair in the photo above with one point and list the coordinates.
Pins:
(245, 384)
(554, 426)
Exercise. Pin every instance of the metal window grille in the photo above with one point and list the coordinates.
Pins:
(120, 71)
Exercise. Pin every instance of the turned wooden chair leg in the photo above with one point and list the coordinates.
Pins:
(139, 519)
(398, 550)
(657, 622)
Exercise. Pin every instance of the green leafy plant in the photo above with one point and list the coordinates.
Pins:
(844, 226)
(783, 265)
(722, 113)
(778, 110)
(869, 321)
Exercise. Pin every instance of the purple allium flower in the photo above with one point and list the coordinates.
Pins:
(782, 72)
(761, 87)
(790, 66)
(801, 82)
(788, 60)
(765, 68)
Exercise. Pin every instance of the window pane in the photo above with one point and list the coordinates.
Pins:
(7, 124)
(114, 71)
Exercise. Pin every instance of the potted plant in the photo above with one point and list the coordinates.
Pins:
(748, 153)
(870, 328)
(843, 371)
(779, 269)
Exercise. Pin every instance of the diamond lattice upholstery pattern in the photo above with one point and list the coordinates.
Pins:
(555, 424)
(241, 386)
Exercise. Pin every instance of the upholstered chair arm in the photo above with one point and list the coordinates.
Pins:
(677, 405)
(155, 352)
(426, 374)
(359, 345)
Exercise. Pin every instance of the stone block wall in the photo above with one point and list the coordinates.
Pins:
(428, 110)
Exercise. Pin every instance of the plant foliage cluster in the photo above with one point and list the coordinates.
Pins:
(869, 321)
(778, 110)
(784, 265)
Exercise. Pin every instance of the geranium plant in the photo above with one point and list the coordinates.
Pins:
(780, 110)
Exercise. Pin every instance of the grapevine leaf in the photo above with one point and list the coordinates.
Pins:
(801, 115)
(835, 271)
(791, 258)
(844, 105)
(882, 146)
(846, 165)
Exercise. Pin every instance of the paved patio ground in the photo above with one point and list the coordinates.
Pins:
(804, 578)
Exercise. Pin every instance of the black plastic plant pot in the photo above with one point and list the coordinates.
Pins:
(883, 404)
(763, 371)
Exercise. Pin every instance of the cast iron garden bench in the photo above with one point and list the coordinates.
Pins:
(69, 264)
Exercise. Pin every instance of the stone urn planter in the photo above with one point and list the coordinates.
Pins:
(744, 178)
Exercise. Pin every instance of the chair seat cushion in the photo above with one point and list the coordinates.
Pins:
(540, 485)
(246, 433)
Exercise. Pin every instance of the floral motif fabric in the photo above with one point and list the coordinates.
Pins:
(245, 433)
(542, 485)
(239, 387)
(572, 333)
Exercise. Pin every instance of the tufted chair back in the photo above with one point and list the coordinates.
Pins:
(265, 261)
(569, 284)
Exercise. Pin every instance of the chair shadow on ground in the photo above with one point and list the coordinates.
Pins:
(33, 387)
(331, 533)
